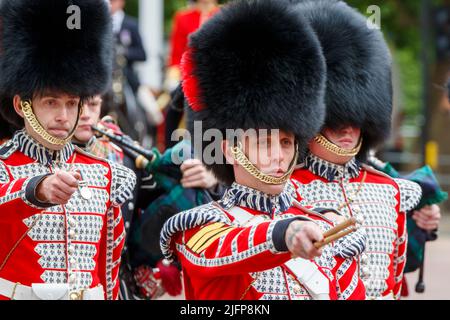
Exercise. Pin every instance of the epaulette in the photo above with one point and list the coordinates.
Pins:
(8, 148)
(195, 217)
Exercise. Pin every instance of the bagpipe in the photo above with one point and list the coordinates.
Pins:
(417, 237)
(161, 178)
(141, 156)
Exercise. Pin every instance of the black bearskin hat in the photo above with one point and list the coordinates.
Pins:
(359, 88)
(43, 51)
(255, 65)
(6, 129)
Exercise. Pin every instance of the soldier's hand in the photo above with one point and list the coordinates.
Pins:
(428, 217)
(58, 188)
(300, 237)
(195, 175)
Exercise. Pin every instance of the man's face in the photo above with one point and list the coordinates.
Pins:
(116, 5)
(89, 117)
(346, 137)
(271, 153)
(57, 113)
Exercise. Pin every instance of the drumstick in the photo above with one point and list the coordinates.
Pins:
(347, 223)
(334, 237)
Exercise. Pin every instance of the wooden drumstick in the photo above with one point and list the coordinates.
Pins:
(347, 223)
(333, 237)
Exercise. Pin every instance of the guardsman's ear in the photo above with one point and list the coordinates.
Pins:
(17, 105)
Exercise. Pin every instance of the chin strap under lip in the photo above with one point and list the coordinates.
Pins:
(242, 159)
(330, 146)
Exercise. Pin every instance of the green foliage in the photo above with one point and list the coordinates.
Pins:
(170, 7)
(132, 8)
(400, 23)
(410, 75)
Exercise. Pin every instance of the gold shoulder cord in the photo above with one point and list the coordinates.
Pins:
(37, 127)
(242, 159)
(327, 144)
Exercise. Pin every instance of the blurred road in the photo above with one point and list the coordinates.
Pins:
(437, 267)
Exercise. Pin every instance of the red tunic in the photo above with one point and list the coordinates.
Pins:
(223, 258)
(185, 22)
(380, 202)
(79, 243)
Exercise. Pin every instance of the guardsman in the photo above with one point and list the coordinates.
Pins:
(61, 228)
(249, 69)
(358, 118)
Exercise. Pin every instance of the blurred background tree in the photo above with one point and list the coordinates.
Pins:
(132, 7)
(170, 7)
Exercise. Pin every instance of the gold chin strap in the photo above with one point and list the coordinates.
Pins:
(29, 115)
(330, 146)
(242, 159)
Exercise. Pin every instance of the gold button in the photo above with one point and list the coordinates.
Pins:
(365, 272)
(73, 278)
(364, 259)
(72, 222)
(75, 296)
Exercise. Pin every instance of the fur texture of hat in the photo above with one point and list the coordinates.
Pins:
(43, 51)
(359, 87)
(255, 65)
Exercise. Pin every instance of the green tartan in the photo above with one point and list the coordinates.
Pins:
(167, 176)
(432, 194)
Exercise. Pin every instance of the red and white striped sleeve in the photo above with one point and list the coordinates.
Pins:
(217, 248)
